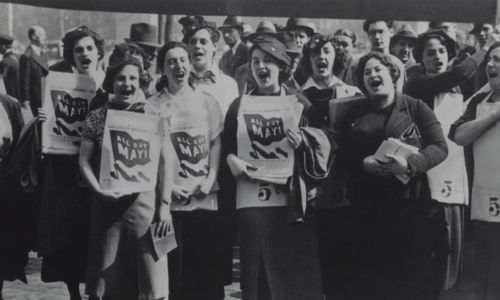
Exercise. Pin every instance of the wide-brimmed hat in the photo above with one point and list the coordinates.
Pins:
(144, 34)
(232, 22)
(450, 44)
(273, 47)
(6, 39)
(247, 30)
(288, 39)
(264, 27)
(299, 23)
(405, 31)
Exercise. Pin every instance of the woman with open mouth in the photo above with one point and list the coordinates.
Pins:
(192, 151)
(478, 127)
(391, 227)
(333, 212)
(121, 260)
(438, 85)
(274, 234)
(63, 229)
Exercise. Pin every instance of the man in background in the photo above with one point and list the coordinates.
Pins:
(9, 66)
(237, 54)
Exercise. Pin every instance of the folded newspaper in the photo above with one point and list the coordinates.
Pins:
(397, 148)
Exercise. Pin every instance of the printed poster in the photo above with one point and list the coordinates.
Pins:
(65, 100)
(130, 152)
(189, 148)
(262, 140)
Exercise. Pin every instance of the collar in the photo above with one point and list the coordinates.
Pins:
(198, 76)
(312, 83)
(36, 49)
(235, 47)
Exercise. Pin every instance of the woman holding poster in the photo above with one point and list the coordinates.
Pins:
(263, 148)
(479, 127)
(192, 150)
(122, 263)
(65, 198)
(389, 195)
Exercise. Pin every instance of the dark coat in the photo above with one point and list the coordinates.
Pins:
(62, 66)
(32, 68)
(9, 67)
(229, 62)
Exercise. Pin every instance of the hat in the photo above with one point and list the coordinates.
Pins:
(189, 20)
(271, 46)
(299, 23)
(405, 31)
(144, 34)
(201, 24)
(478, 27)
(264, 27)
(289, 40)
(317, 41)
(6, 39)
(232, 22)
(247, 30)
(450, 44)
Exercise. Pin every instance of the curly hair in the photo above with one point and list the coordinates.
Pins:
(367, 23)
(385, 60)
(163, 80)
(117, 67)
(71, 37)
(305, 62)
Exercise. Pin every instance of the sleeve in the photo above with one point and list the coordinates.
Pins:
(469, 114)
(24, 77)
(435, 148)
(424, 86)
(215, 118)
(17, 119)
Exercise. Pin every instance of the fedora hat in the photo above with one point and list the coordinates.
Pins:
(289, 40)
(406, 32)
(264, 27)
(144, 34)
(299, 23)
(232, 22)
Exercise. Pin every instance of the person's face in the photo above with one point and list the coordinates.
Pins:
(3, 49)
(343, 46)
(403, 49)
(484, 33)
(377, 79)
(85, 55)
(177, 68)
(265, 70)
(201, 48)
(126, 84)
(301, 38)
(493, 68)
(322, 60)
(39, 37)
(435, 56)
(379, 35)
(231, 36)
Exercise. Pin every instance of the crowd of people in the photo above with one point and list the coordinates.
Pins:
(344, 224)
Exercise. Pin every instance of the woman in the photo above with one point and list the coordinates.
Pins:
(14, 247)
(195, 124)
(478, 126)
(438, 85)
(65, 199)
(333, 212)
(121, 263)
(392, 223)
(274, 239)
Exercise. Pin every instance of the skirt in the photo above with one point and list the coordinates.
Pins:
(122, 263)
(487, 260)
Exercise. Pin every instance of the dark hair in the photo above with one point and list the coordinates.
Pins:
(446, 40)
(117, 67)
(31, 32)
(125, 50)
(163, 80)
(285, 70)
(367, 23)
(214, 34)
(384, 59)
(490, 49)
(71, 37)
(305, 61)
(347, 33)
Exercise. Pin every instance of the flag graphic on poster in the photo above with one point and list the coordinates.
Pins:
(66, 98)
(262, 140)
(130, 152)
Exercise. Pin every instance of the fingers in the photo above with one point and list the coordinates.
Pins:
(295, 138)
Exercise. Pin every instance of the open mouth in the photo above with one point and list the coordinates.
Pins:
(263, 75)
(128, 91)
(198, 54)
(322, 65)
(86, 61)
(179, 74)
(439, 64)
(375, 83)
(492, 75)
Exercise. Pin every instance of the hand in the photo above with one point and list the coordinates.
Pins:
(239, 167)
(496, 111)
(204, 188)
(181, 194)
(42, 116)
(492, 38)
(397, 165)
(161, 228)
(26, 104)
(294, 137)
(164, 212)
(374, 167)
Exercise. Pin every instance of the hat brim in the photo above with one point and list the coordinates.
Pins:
(307, 29)
(252, 36)
(149, 44)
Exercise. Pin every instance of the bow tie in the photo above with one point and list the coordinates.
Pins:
(206, 76)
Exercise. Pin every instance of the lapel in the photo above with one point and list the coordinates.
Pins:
(239, 52)
(38, 59)
(400, 119)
